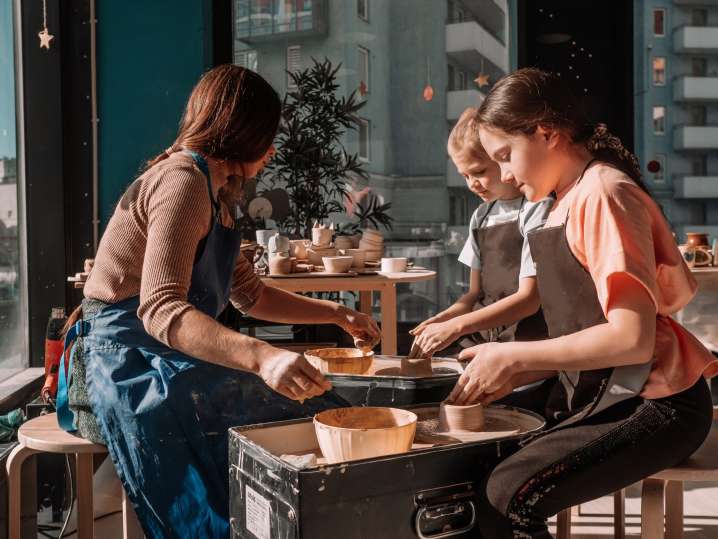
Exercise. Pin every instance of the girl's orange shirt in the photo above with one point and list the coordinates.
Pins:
(613, 226)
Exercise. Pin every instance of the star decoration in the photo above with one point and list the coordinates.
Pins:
(482, 80)
(45, 38)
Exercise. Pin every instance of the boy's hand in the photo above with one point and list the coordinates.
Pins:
(436, 336)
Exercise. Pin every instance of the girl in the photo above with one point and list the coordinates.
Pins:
(502, 278)
(165, 379)
(630, 398)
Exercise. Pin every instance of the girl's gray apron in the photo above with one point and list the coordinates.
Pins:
(164, 415)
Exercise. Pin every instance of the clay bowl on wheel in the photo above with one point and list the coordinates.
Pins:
(340, 360)
(362, 433)
(453, 418)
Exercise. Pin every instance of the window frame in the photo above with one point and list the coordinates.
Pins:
(366, 124)
(290, 83)
(654, 79)
(663, 21)
(365, 15)
(364, 62)
(662, 131)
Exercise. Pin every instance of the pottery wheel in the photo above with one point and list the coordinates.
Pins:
(500, 423)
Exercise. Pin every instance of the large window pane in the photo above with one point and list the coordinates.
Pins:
(393, 54)
(12, 322)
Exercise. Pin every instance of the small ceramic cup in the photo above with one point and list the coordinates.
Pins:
(393, 265)
(264, 235)
(280, 265)
(321, 237)
(689, 254)
(298, 248)
(704, 256)
(357, 257)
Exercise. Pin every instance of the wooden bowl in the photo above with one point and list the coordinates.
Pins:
(362, 433)
(453, 418)
(340, 360)
(337, 264)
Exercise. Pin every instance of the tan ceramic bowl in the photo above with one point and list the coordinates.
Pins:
(337, 264)
(363, 433)
(340, 360)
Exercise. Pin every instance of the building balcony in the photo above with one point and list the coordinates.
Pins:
(258, 21)
(696, 187)
(467, 43)
(457, 101)
(695, 137)
(453, 178)
(695, 89)
(696, 39)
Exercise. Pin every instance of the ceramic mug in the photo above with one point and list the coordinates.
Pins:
(393, 265)
(703, 256)
(298, 248)
(264, 235)
(689, 254)
(278, 244)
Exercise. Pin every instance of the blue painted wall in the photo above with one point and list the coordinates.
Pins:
(7, 81)
(149, 56)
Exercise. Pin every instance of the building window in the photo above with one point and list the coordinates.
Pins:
(659, 120)
(698, 114)
(13, 320)
(363, 9)
(462, 80)
(659, 22)
(699, 165)
(458, 208)
(364, 139)
(363, 70)
(451, 77)
(699, 67)
(659, 71)
(659, 175)
(247, 59)
(699, 17)
(294, 63)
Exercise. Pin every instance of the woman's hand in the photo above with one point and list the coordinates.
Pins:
(421, 327)
(291, 375)
(436, 336)
(487, 377)
(362, 327)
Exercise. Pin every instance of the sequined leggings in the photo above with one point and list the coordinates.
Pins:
(595, 457)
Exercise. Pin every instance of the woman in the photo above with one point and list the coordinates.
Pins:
(630, 398)
(165, 379)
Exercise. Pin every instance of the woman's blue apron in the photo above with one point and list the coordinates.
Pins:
(165, 415)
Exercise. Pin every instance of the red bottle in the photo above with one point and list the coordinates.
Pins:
(53, 352)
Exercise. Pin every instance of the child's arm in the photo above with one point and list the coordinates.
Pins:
(628, 338)
(465, 304)
(509, 310)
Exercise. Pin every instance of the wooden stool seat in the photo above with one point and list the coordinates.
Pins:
(702, 466)
(44, 435)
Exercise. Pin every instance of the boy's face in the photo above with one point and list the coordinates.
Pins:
(483, 178)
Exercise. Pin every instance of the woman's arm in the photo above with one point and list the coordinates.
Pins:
(465, 304)
(627, 338)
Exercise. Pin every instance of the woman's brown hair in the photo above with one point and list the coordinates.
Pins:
(530, 97)
(232, 114)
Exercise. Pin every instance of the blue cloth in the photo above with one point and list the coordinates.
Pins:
(165, 415)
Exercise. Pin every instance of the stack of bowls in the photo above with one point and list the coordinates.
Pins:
(372, 242)
(343, 242)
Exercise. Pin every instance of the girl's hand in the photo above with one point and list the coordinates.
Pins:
(436, 336)
(421, 327)
(362, 327)
(486, 378)
(291, 375)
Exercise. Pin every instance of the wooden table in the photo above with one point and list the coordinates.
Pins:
(385, 284)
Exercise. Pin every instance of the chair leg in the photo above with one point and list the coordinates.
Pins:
(652, 509)
(619, 514)
(14, 475)
(130, 525)
(576, 511)
(674, 510)
(85, 513)
(563, 524)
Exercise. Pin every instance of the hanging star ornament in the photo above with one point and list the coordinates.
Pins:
(482, 80)
(45, 38)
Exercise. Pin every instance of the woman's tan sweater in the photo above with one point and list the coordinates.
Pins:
(150, 244)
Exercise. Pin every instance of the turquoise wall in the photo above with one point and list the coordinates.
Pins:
(149, 56)
(7, 81)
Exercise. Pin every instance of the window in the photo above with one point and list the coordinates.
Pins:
(699, 67)
(659, 120)
(699, 17)
(698, 114)
(294, 63)
(451, 77)
(364, 139)
(246, 59)
(659, 22)
(458, 208)
(699, 165)
(659, 71)
(363, 70)
(659, 175)
(461, 84)
(13, 323)
(363, 9)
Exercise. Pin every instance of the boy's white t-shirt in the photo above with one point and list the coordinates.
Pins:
(531, 216)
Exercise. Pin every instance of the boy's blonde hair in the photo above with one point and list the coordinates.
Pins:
(464, 137)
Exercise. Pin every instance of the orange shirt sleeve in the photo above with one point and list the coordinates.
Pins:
(609, 228)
